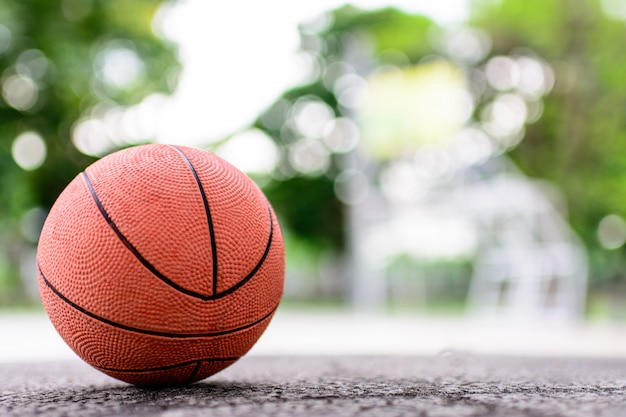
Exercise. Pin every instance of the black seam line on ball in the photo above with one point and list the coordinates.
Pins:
(207, 210)
(145, 331)
(194, 372)
(129, 245)
(158, 273)
(258, 265)
(168, 367)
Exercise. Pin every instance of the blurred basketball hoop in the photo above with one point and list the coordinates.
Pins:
(435, 166)
(407, 109)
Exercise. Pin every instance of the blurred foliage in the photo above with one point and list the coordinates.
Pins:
(60, 51)
(53, 62)
(428, 287)
(580, 141)
(315, 214)
(307, 201)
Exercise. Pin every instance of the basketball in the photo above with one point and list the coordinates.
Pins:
(161, 265)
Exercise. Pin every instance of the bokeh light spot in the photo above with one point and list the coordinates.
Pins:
(502, 73)
(119, 66)
(467, 45)
(29, 150)
(535, 77)
(20, 92)
(90, 137)
(341, 135)
(505, 116)
(308, 67)
(615, 9)
(252, 151)
(33, 64)
(472, 146)
(351, 91)
(612, 232)
(311, 116)
(309, 156)
(535, 110)
(334, 71)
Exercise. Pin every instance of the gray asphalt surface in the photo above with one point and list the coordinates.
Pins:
(450, 384)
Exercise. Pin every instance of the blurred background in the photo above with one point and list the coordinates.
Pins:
(431, 164)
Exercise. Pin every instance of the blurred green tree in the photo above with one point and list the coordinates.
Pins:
(346, 42)
(305, 194)
(580, 141)
(58, 62)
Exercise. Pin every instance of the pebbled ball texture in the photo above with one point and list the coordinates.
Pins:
(161, 265)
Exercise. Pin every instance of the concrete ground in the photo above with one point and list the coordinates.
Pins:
(342, 364)
(31, 337)
(450, 384)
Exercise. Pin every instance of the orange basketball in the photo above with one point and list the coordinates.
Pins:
(161, 265)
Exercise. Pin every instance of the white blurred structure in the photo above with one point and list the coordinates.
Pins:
(527, 262)
(436, 186)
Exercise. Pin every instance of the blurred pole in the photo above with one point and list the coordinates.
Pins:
(366, 281)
